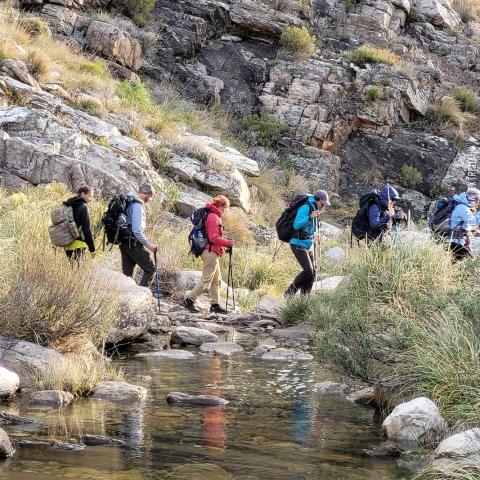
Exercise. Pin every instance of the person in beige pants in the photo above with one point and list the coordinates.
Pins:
(211, 275)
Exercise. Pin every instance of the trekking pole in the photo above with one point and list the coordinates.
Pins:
(231, 279)
(228, 276)
(157, 280)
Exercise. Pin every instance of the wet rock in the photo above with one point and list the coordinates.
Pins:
(138, 306)
(7, 418)
(112, 43)
(95, 440)
(119, 392)
(70, 447)
(178, 398)
(330, 388)
(459, 451)
(365, 396)
(48, 399)
(298, 333)
(385, 449)
(26, 358)
(223, 349)
(286, 355)
(417, 422)
(193, 336)
(9, 382)
(6, 447)
(176, 354)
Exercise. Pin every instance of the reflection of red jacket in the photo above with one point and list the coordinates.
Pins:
(214, 229)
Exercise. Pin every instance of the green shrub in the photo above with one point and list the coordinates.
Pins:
(372, 94)
(298, 41)
(138, 10)
(411, 176)
(467, 100)
(364, 55)
(134, 95)
(92, 106)
(443, 51)
(161, 158)
(96, 67)
(261, 130)
(34, 26)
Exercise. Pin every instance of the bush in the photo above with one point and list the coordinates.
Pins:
(92, 106)
(161, 158)
(34, 26)
(372, 94)
(261, 130)
(298, 41)
(38, 64)
(467, 100)
(95, 67)
(448, 110)
(134, 95)
(469, 10)
(363, 55)
(411, 176)
(138, 10)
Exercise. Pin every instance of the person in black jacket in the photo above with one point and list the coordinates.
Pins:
(76, 250)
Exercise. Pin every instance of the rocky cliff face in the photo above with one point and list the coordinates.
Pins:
(348, 124)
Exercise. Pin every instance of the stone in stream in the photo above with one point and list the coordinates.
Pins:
(6, 447)
(224, 349)
(298, 333)
(176, 354)
(119, 392)
(365, 396)
(385, 449)
(48, 399)
(330, 388)
(179, 398)
(71, 447)
(286, 355)
(461, 450)
(193, 336)
(417, 422)
(9, 382)
(213, 327)
(95, 440)
(7, 418)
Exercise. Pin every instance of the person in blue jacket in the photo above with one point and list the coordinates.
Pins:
(462, 222)
(302, 243)
(381, 215)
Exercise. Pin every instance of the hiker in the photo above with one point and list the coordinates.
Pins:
(382, 215)
(213, 250)
(302, 243)
(136, 248)
(462, 222)
(77, 248)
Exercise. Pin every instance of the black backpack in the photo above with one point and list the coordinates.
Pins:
(439, 219)
(198, 238)
(360, 223)
(115, 219)
(284, 225)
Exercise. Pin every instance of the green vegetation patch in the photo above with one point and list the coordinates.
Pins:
(361, 56)
(298, 42)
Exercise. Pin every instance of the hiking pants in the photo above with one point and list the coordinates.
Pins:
(134, 253)
(459, 251)
(304, 280)
(211, 277)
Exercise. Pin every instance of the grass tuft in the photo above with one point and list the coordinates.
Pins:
(298, 42)
(361, 56)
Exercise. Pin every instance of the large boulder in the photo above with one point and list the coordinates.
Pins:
(60, 19)
(189, 199)
(138, 306)
(120, 392)
(114, 44)
(298, 333)
(27, 358)
(48, 399)
(417, 422)
(9, 382)
(193, 336)
(463, 171)
(6, 447)
(461, 450)
(439, 12)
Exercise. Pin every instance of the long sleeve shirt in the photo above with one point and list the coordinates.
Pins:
(137, 219)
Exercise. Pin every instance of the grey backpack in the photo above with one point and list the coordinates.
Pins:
(63, 230)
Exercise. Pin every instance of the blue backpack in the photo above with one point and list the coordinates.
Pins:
(439, 219)
(198, 238)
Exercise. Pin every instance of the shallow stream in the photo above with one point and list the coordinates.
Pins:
(275, 427)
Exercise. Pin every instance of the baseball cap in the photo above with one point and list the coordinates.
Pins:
(322, 196)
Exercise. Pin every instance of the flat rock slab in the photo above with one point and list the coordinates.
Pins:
(193, 336)
(121, 392)
(224, 349)
(48, 399)
(286, 355)
(298, 333)
(176, 354)
(213, 327)
(7, 418)
(179, 398)
(95, 440)
(330, 388)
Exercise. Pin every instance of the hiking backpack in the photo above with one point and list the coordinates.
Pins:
(198, 238)
(360, 223)
(63, 230)
(284, 225)
(439, 219)
(115, 219)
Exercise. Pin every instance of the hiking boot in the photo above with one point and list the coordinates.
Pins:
(216, 308)
(190, 305)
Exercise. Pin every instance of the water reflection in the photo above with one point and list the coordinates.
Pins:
(275, 427)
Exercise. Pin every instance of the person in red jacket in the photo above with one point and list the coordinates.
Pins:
(211, 275)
